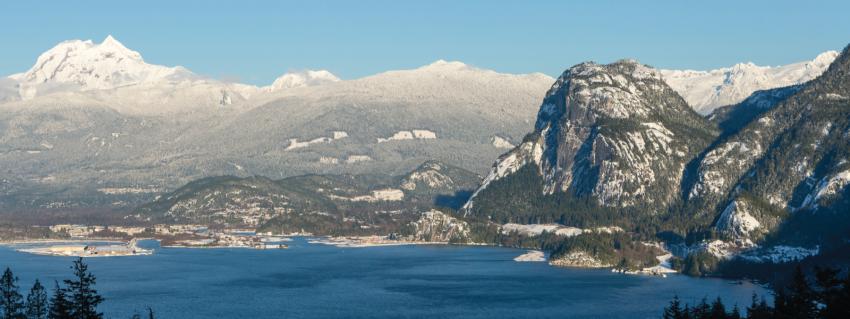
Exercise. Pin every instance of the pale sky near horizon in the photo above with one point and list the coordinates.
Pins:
(256, 41)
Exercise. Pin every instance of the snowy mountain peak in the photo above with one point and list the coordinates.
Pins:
(825, 58)
(301, 79)
(111, 43)
(613, 90)
(83, 65)
(708, 90)
(443, 65)
(743, 67)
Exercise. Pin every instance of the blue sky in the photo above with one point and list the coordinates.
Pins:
(256, 41)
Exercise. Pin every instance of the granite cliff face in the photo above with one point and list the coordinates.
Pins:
(615, 133)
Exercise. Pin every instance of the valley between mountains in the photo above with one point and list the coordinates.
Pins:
(736, 171)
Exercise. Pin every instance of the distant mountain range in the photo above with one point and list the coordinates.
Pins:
(93, 124)
(83, 66)
(708, 90)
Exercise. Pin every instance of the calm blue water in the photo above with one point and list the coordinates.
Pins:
(314, 281)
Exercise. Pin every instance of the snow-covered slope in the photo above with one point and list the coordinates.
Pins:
(446, 111)
(708, 90)
(159, 127)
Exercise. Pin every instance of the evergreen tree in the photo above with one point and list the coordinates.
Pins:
(686, 312)
(799, 302)
(735, 314)
(11, 305)
(84, 299)
(37, 302)
(701, 310)
(758, 309)
(834, 294)
(781, 303)
(829, 299)
(843, 308)
(718, 310)
(674, 311)
(60, 308)
(692, 266)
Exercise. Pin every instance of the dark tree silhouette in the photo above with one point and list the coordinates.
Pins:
(829, 298)
(674, 311)
(798, 300)
(60, 307)
(37, 306)
(83, 298)
(11, 305)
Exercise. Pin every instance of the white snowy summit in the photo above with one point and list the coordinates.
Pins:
(84, 65)
(708, 90)
(301, 79)
(84, 73)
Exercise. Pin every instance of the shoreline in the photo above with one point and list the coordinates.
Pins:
(69, 240)
(529, 255)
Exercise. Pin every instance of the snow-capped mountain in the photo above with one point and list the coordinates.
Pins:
(84, 65)
(78, 73)
(150, 128)
(84, 72)
(301, 79)
(708, 90)
(110, 73)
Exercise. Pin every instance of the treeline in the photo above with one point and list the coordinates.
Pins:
(828, 298)
(616, 248)
(75, 298)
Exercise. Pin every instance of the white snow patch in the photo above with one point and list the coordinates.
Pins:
(737, 219)
(294, 143)
(351, 159)
(424, 134)
(500, 142)
(328, 160)
(828, 187)
(558, 229)
(782, 254)
(388, 194)
(529, 230)
(127, 190)
(409, 135)
(531, 256)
